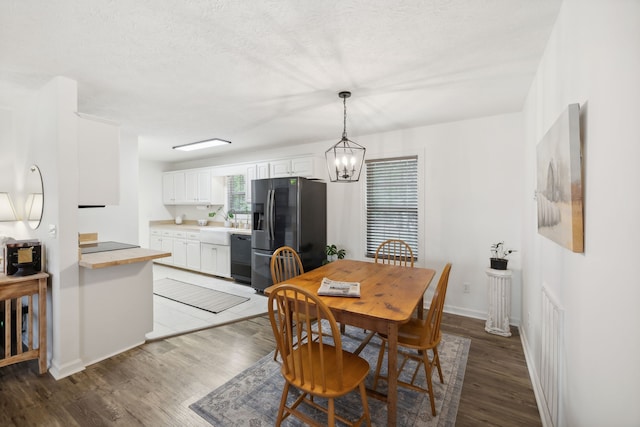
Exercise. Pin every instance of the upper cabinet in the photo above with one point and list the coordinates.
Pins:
(299, 166)
(192, 187)
(198, 186)
(98, 163)
(174, 190)
(206, 186)
(255, 171)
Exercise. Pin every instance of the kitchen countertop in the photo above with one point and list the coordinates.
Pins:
(189, 225)
(120, 257)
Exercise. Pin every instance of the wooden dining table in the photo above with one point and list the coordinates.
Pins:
(388, 297)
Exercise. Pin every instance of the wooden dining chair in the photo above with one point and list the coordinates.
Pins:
(317, 368)
(394, 252)
(285, 264)
(422, 336)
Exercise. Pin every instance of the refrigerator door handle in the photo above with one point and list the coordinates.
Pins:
(263, 255)
(267, 213)
(272, 217)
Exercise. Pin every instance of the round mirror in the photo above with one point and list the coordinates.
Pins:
(35, 197)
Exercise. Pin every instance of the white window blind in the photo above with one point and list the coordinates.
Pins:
(392, 202)
(236, 194)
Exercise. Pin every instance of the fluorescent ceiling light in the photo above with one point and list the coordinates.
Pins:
(201, 144)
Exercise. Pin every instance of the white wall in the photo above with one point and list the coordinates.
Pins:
(149, 189)
(119, 222)
(43, 131)
(471, 193)
(45, 134)
(592, 58)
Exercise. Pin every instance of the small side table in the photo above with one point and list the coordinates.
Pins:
(12, 290)
(499, 302)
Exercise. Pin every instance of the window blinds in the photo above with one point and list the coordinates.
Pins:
(392, 202)
(236, 194)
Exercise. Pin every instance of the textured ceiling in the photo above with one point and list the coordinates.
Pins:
(266, 73)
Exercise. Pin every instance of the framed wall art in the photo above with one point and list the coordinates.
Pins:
(559, 192)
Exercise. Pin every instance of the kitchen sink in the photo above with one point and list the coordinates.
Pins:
(219, 235)
(216, 236)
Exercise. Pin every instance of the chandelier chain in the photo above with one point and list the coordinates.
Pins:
(344, 131)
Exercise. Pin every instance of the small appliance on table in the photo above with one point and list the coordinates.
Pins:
(23, 257)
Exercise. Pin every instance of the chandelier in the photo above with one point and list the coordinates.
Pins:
(345, 159)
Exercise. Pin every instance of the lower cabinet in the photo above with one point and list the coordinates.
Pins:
(160, 242)
(193, 255)
(188, 252)
(215, 259)
(179, 252)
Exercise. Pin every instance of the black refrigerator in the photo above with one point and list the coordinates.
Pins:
(287, 212)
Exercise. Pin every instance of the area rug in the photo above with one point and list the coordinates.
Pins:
(252, 397)
(196, 296)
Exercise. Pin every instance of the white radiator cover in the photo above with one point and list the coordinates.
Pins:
(499, 302)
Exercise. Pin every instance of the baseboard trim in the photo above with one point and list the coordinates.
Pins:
(60, 372)
(545, 416)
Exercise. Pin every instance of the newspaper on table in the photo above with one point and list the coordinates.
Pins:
(335, 288)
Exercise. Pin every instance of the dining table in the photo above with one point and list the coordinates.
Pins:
(389, 295)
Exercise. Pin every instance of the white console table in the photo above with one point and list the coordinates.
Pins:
(499, 302)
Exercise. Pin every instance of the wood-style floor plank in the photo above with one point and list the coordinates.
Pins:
(154, 384)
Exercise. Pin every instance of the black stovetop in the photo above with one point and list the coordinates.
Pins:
(106, 246)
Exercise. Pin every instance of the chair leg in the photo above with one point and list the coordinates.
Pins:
(283, 401)
(364, 343)
(365, 404)
(436, 362)
(427, 372)
(376, 376)
(332, 413)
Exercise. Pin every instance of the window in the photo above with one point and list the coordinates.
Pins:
(236, 195)
(392, 202)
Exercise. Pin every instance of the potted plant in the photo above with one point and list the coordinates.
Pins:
(499, 256)
(213, 214)
(228, 216)
(333, 253)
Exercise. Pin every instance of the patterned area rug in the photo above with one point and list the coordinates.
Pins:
(253, 396)
(196, 296)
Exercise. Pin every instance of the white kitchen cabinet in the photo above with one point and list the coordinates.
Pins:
(257, 171)
(159, 243)
(193, 255)
(98, 163)
(155, 241)
(166, 245)
(193, 251)
(215, 259)
(198, 186)
(179, 253)
(174, 189)
(192, 187)
(299, 166)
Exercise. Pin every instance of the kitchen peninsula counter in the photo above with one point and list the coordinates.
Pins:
(116, 301)
(120, 257)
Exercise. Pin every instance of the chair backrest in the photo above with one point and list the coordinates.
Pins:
(305, 362)
(395, 252)
(430, 334)
(285, 264)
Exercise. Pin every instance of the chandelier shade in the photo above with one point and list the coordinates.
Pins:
(7, 212)
(345, 158)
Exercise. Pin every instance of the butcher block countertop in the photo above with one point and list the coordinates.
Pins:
(120, 257)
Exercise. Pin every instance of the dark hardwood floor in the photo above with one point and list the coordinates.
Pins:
(154, 384)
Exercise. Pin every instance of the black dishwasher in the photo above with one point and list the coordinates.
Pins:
(241, 257)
